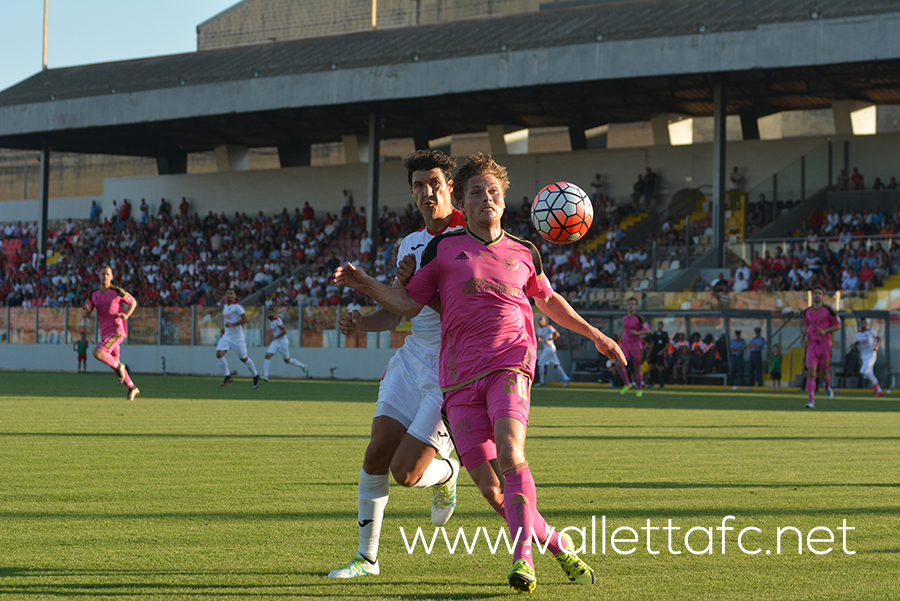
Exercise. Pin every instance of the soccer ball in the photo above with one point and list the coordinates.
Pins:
(562, 213)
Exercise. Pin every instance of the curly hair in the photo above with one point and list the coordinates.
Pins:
(478, 164)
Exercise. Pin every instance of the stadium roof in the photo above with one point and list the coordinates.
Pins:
(581, 67)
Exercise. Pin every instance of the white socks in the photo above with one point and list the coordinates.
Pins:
(373, 497)
(437, 472)
(223, 365)
(252, 366)
(266, 364)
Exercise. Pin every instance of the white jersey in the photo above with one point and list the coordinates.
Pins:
(277, 327)
(426, 326)
(232, 314)
(866, 341)
(545, 334)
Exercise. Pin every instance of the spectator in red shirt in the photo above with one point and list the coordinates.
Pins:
(125, 211)
(184, 207)
(856, 180)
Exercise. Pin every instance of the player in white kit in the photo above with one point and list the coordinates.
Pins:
(409, 438)
(547, 334)
(233, 338)
(868, 351)
(279, 345)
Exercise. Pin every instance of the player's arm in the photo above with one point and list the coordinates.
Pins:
(380, 320)
(131, 307)
(406, 269)
(559, 310)
(88, 307)
(393, 298)
(877, 343)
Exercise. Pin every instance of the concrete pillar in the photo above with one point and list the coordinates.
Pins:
(496, 135)
(660, 125)
(843, 124)
(352, 154)
(171, 160)
(374, 174)
(231, 157)
(293, 153)
(45, 202)
(577, 136)
(719, 170)
(750, 124)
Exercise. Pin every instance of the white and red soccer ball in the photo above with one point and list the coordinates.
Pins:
(562, 213)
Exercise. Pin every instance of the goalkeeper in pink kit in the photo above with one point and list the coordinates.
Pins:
(487, 357)
(114, 306)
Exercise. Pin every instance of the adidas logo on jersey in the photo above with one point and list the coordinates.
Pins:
(462, 255)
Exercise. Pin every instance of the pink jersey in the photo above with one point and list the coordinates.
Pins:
(108, 305)
(487, 323)
(820, 319)
(630, 325)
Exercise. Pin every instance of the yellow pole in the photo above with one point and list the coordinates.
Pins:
(374, 14)
(44, 57)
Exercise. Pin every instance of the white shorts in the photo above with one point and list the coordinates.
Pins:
(239, 346)
(279, 345)
(548, 356)
(868, 363)
(411, 394)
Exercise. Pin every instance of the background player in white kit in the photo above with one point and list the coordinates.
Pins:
(233, 338)
(869, 342)
(279, 345)
(408, 433)
(547, 334)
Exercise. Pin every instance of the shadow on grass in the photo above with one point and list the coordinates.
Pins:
(202, 388)
(243, 585)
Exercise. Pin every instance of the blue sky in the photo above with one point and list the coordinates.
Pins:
(81, 32)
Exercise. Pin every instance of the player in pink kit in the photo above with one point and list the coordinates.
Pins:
(114, 307)
(633, 330)
(819, 323)
(487, 358)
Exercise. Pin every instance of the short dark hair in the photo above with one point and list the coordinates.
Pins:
(426, 160)
(479, 164)
(817, 287)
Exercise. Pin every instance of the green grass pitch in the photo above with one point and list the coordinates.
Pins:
(199, 492)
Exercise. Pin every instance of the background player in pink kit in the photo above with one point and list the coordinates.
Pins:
(633, 330)
(819, 323)
(487, 358)
(114, 307)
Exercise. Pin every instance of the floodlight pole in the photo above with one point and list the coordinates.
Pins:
(374, 14)
(44, 57)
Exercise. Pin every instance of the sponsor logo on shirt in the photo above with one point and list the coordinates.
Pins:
(476, 285)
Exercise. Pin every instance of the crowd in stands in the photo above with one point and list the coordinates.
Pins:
(170, 260)
(178, 258)
(850, 251)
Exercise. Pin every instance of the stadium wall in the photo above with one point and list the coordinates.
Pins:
(351, 364)
(78, 207)
(271, 190)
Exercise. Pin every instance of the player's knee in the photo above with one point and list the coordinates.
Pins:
(376, 460)
(404, 475)
(288, 360)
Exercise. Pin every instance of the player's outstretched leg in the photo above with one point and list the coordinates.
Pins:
(576, 570)
(267, 363)
(443, 498)
(373, 497)
(811, 391)
(296, 363)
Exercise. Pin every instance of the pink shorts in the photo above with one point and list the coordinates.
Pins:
(472, 410)
(632, 355)
(819, 354)
(111, 342)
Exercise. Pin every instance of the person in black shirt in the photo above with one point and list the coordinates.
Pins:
(659, 344)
